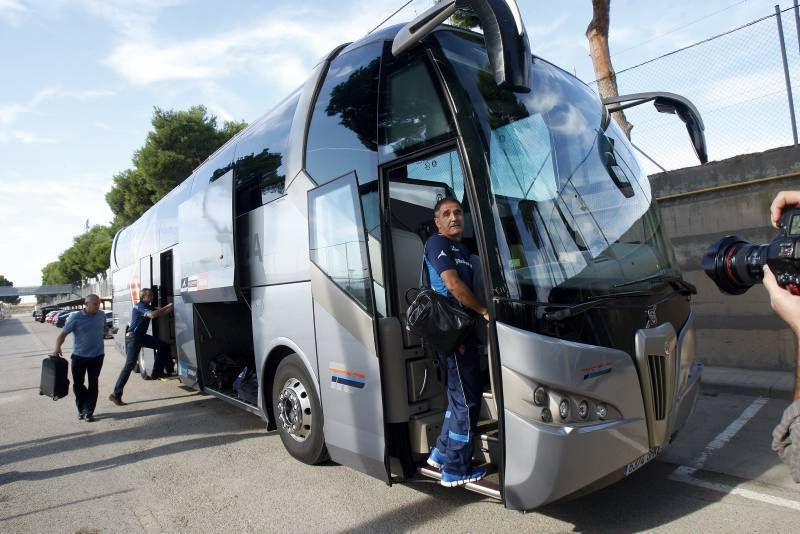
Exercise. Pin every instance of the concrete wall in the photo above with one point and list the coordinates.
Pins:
(701, 204)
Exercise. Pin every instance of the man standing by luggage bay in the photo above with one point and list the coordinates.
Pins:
(87, 328)
(136, 338)
(450, 272)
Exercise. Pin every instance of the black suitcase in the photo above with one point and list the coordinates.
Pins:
(54, 381)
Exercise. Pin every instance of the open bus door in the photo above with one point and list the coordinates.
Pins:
(346, 328)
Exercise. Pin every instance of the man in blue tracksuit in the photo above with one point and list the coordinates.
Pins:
(136, 338)
(449, 270)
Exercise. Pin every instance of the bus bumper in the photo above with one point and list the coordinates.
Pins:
(558, 461)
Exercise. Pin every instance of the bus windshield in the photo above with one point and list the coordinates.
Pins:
(573, 209)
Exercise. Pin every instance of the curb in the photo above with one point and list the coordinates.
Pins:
(750, 382)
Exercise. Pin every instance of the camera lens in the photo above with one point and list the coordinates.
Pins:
(735, 264)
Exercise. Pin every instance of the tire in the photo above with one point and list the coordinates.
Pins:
(142, 368)
(298, 412)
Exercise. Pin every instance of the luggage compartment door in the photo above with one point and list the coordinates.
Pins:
(206, 243)
(345, 327)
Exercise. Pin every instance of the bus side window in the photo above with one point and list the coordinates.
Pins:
(342, 137)
(413, 113)
(260, 171)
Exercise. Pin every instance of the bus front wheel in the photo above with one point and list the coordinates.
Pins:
(297, 411)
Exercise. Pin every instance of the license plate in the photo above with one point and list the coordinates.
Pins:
(641, 460)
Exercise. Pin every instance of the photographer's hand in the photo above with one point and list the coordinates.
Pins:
(786, 305)
(784, 199)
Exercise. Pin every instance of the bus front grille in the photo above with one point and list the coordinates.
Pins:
(657, 364)
(658, 385)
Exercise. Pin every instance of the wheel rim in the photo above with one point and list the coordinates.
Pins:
(294, 410)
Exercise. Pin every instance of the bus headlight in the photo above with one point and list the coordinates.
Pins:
(583, 409)
(563, 409)
(547, 417)
(540, 397)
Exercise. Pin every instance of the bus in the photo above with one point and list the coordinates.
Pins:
(289, 252)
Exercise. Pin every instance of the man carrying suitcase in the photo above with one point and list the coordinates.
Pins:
(87, 353)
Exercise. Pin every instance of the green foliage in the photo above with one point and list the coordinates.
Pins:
(6, 282)
(178, 143)
(464, 19)
(129, 198)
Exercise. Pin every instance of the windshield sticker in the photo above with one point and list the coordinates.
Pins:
(344, 380)
(599, 369)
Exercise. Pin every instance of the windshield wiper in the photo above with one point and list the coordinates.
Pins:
(682, 286)
(576, 309)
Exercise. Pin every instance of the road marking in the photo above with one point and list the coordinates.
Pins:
(724, 437)
(685, 473)
(748, 494)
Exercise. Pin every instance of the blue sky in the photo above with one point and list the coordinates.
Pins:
(81, 79)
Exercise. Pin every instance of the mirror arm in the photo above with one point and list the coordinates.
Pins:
(667, 103)
(620, 107)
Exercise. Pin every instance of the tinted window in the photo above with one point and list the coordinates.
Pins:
(413, 113)
(343, 133)
(261, 157)
(219, 164)
(336, 238)
(573, 210)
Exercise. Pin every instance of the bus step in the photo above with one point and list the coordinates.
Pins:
(489, 486)
(488, 406)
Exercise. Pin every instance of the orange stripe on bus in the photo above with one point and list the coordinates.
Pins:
(348, 373)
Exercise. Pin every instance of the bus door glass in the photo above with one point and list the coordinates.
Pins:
(346, 271)
(344, 321)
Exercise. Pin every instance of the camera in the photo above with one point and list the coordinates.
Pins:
(735, 264)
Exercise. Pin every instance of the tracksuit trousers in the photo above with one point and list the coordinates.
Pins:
(464, 393)
(83, 368)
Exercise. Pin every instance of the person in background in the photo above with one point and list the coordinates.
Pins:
(136, 338)
(786, 436)
(87, 327)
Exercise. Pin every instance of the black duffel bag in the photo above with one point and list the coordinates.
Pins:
(441, 323)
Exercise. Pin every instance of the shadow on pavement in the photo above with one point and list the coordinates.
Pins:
(89, 499)
(12, 327)
(42, 440)
(203, 416)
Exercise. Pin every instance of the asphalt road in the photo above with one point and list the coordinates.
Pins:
(178, 461)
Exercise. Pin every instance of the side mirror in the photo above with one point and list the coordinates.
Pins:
(506, 39)
(668, 103)
(691, 117)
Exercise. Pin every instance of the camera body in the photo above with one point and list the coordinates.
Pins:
(735, 264)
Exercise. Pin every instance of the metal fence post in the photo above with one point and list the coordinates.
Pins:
(786, 72)
(797, 22)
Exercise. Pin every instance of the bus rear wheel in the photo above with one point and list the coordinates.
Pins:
(297, 411)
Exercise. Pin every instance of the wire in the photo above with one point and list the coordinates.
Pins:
(698, 43)
(680, 27)
(401, 8)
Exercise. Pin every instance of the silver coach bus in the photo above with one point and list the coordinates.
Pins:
(290, 250)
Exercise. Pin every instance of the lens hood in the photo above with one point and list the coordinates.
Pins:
(718, 264)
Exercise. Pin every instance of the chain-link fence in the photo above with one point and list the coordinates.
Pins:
(737, 81)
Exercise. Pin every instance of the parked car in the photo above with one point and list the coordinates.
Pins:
(61, 318)
(50, 316)
(110, 329)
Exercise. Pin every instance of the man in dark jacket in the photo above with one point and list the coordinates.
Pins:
(136, 338)
(450, 272)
